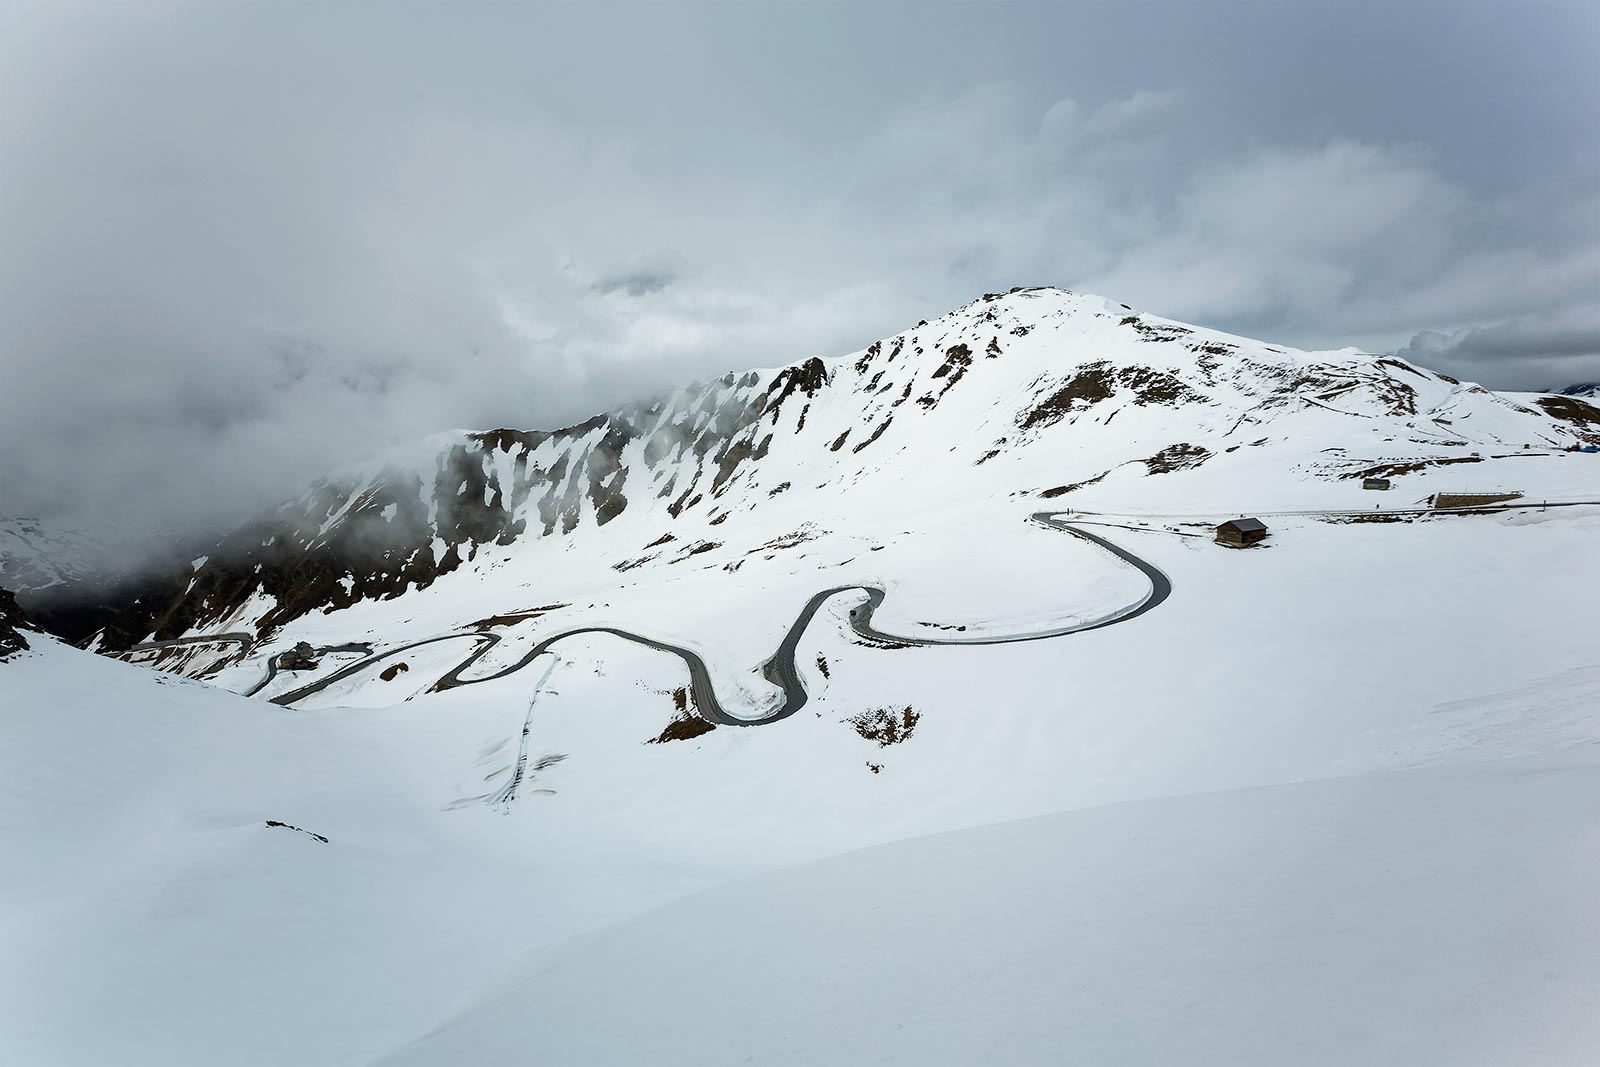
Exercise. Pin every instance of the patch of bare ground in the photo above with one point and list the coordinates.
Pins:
(1397, 365)
(879, 642)
(1470, 500)
(12, 624)
(1176, 458)
(1151, 386)
(686, 724)
(822, 666)
(884, 425)
(1372, 516)
(734, 455)
(1154, 331)
(274, 824)
(1570, 409)
(684, 502)
(663, 539)
(393, 671)
(1397, 467)
(684, 727)
(513, 617)
(885, 725)
(788, 540)
(957, 358)
(1093, 382)
(1063, 490)
(868, 356)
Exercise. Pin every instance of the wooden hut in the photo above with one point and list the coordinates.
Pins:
(1241, 533)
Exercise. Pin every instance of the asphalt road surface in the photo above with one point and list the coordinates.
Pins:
(780, 669)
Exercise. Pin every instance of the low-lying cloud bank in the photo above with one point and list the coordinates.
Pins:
(236, 251)
(1546, 351)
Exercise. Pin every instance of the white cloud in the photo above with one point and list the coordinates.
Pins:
(190, 282)
(1548, 351)
(1067, 123)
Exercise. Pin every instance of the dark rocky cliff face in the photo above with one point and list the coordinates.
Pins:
(72, 582)
(13, 626)
(379, 536)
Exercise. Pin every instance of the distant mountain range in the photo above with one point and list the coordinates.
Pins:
(73, 581)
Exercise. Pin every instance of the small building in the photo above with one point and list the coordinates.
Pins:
(1241, 533)
(298, 658)
(1375, 483)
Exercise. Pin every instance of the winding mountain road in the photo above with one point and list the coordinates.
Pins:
(780, 669)
(274, 661)
(243, 640)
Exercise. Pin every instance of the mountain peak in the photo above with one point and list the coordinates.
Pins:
(1034, 393)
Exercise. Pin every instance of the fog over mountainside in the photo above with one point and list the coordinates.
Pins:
(1038, 396)
(209, 295)
(74, 581)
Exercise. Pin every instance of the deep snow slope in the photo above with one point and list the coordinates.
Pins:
(149, 913)
(1033, 398)
(1432, 916)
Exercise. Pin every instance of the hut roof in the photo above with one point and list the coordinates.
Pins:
(1245, 525)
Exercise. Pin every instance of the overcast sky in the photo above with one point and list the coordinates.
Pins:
(242, 241)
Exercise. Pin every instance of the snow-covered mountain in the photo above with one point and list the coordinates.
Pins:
(1349, 777)
(73, 581)
(35, 557)
(1346, 775)
(1038, 396)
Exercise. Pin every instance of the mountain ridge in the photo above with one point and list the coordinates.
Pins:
(989, 394)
